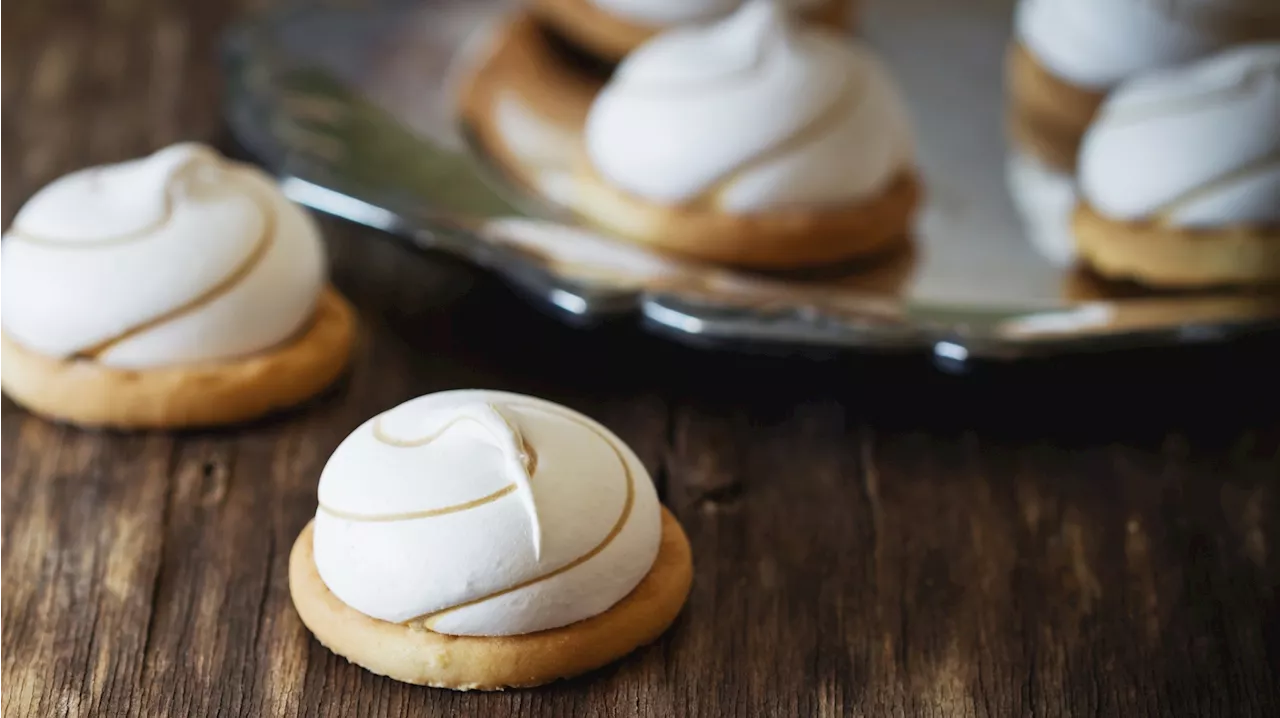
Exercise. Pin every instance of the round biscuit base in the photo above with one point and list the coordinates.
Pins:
(1046, 116)
(1167, 257)
(610, 38)
(791, 238)
(424, 657)
(87, 393)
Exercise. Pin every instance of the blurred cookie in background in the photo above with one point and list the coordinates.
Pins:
(610, 29)
(1180, 175)
(1066, 55)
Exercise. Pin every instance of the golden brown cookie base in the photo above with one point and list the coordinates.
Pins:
(610, 38)
(1175, 257)
(1046, 116)
(424, 657)
(84, 392)
(1134, 308)
(778, 239)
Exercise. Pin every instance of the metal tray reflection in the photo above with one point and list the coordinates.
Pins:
(354, 106)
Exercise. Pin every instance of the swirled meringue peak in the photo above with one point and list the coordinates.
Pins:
(662, 13)
(1193, 146)
(177, 257)
(484, 513)
(1098, 43)
(752, 113)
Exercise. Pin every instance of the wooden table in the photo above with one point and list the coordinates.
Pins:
(871, 538)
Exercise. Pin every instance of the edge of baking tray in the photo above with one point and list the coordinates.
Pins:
(953, 335)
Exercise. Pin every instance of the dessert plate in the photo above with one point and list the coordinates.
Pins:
(353, 104)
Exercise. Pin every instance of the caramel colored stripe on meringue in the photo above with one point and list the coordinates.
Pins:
(1164, 213)
(424, 514)
(428, 620)
(530, 456)
(18, 235)
(846, 103)
(1158, 109)
(251, 261)
(166, 216)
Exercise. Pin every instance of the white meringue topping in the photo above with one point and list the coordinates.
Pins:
(1098, 43)
(1196, 146)
(421, 518)
(506, 437)
(758, 109)
(174, 258)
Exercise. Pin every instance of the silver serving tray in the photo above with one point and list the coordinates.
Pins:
(351, 104)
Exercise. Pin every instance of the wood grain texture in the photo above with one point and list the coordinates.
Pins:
(1086, 539)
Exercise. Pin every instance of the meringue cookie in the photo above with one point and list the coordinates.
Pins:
(1098, 43)
(1195, 146)
(756, 112)
(422, 520)
(1180, 175)
(174, 291)
(176, 258)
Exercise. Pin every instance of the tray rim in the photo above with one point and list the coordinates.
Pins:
(681, 318)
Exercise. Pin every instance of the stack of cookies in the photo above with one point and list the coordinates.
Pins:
(1146, 137)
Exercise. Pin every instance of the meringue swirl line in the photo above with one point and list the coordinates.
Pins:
(261, 246)
(428, 620)
(1165, 212)
(1251, 82)
(520, 458)
(172, 182)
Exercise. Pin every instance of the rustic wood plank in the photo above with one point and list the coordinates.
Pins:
(81, 552)
(845, 565)
(869, 539)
